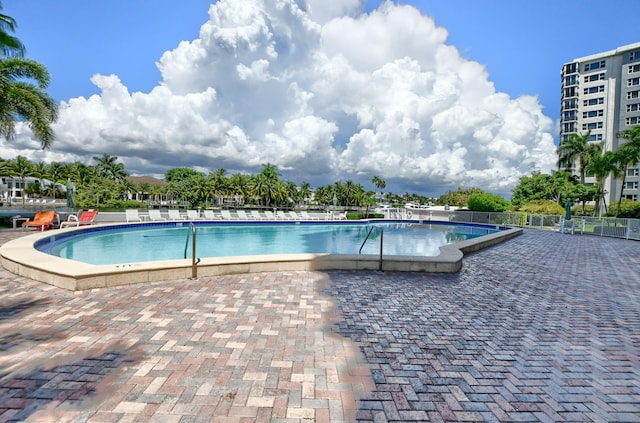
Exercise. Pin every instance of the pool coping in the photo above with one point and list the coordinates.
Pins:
(20, 257)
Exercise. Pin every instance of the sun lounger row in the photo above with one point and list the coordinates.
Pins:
(154, 215)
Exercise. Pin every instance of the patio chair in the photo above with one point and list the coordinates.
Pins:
(306, 216)
(155, 215)
(294, 216)
(193, 215)
(568, 226)
(256, 215)
(174, 214)
(210, 215)
(226, 214)
(243, 215)
(42, 219)
(269, 215)
(132, 215)
(86, 217)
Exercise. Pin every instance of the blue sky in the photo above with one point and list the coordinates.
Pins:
(521, 45)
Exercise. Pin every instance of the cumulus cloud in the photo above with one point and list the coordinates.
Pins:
(323, 91)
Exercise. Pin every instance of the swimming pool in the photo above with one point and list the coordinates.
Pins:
(23, 256)
(167, 242)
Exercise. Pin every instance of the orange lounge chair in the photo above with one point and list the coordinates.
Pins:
(86, 217)
(42, 220)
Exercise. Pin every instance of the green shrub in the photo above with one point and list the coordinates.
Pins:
(542, 207)
(628, 210)
(487, 202)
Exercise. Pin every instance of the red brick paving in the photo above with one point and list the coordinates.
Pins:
(545, 327)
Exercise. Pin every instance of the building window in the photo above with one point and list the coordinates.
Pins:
(570, 80)
(634, 55)
(632, 171)
(592, 113)
(633, 94)
(570, 92)
(634, 68)
(631, 197)
(571, 103)
(593, 101)
(634, 120)
(594, 65)
(572, 68)
(595, 137)
(570, 115)
(592, 125)
(633, 107)
(631, 185)
(569, 127)
(594, 77)
(633, 81)
(593, 90)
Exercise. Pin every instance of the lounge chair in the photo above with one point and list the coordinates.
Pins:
(42, 219)
(307, 216)
(226, 214)
(155, 215)
(193, 215)
(243, 215)
(86, 217)
(132, 215)
(256, 215)
(174, 214)
(340, 216)
(210, 215)
(269, 215)
(294, 216)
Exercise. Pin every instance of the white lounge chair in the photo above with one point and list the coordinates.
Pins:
(256, 215)
(269, 215)
(568, 226)
(210, 215)
(306, 216)
(132, 215)
(193, 215)
(174, 214)
(226, 214)
(243, 215)
(155, 215)
(294, 216)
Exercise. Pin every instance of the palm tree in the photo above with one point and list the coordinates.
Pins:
(21, 100)
(24, 101)
(578, 147)
(39, 170)
(628, 154)
(109, 167)
(21, 167)
(9, 45)
(379, 183)
(602, 165)
(305, 192)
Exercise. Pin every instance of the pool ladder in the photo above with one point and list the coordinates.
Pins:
(381, 239)
(191, 232)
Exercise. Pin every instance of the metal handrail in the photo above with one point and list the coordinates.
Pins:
(365, 239)
(194, 261)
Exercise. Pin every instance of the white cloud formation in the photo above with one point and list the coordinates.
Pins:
(322, 91)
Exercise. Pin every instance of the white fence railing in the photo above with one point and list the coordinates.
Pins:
(599, 226)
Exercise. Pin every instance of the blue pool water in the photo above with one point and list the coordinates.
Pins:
(132, 244)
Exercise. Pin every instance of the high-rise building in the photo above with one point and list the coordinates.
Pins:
(601, 96)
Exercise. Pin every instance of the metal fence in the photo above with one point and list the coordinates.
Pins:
(598, 226)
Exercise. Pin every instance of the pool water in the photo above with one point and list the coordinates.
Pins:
(149, 243)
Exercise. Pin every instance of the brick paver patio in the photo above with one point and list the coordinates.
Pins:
(544, 327)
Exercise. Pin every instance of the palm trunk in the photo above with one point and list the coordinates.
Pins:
(624, 177)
